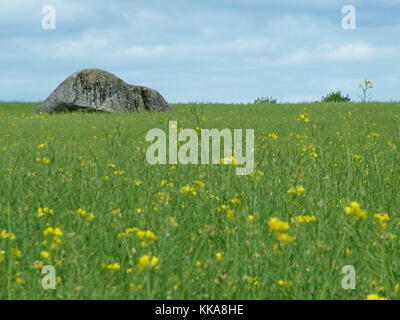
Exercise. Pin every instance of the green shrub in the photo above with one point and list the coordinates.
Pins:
(335, 97)
(266, 100)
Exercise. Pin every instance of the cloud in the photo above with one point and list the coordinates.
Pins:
(329, 52)
(204, 50)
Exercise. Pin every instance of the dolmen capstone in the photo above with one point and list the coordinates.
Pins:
(98, 90)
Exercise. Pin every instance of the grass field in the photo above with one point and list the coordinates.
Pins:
(77, 193)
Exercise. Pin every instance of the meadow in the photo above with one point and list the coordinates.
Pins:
(77, 193)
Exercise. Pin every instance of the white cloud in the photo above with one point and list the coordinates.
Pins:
(328, 52)
(202, 50)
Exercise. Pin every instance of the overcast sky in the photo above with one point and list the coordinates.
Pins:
(204, 50)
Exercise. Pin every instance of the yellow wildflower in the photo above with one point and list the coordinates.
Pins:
(45, 254)
(250, 218)
(44, 211)
(374, 296)
(298, 190)
(2, 256)
(4, 234)
(284, 283)
(112, 266)
(235, 201)
(230, 213)
(304, 117)
(276, 225)
(16, 252)
(148, 261)
(199, 183)
(284, 237)
(189, 189)
(303, 219)
(354, 210)
(381, 220)
(52, 231)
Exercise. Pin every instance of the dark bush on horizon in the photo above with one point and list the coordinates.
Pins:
(265, 100)
(335, 97)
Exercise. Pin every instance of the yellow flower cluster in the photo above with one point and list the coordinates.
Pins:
(304, 117)
(189, 189)
(229, 212)
(310, 150)
(44, 211)
(374, 296)
(284, 283)
(218, 257)
(115, 211)
(235, 201)
(193, 189)
(148, 262)
(381, 220)
(56, 232)
(4, 234)
(303, 219)
(146, 237)
(368, 83)
(354, 210)
(53, 231)
(297, 190)
(276, 225)
(16, 252)
(284, 237)
(166, 183)
(44, 254)
(200, 184)
(279, 227)
(112, 266)
(84, 214)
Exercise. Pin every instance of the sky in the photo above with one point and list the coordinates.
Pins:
(230, 51)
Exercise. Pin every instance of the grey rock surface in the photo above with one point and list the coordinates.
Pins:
(98, 90)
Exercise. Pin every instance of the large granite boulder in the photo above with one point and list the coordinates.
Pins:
(98, 90)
